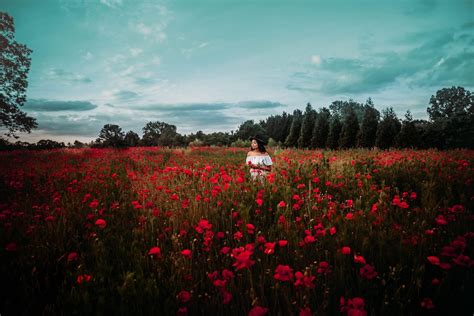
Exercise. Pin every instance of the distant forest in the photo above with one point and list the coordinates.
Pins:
(342, 125)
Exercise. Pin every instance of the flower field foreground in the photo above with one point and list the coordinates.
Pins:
(156, 231)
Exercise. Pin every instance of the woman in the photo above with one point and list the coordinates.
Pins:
(258, 159)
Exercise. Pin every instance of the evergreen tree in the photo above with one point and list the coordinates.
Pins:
(321, 129)
(408, 136)
(292, 138)
(368, 129)
(307, 126)
(388, 129)
(350, 129)
(334, 132)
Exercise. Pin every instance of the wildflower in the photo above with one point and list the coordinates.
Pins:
(346, 250)
(184, 296)
(72, 256)
(283, 273)
(433, 260)
(187, 253)
(368, 272)
(101, 223)
(155, 251)
(258, 311)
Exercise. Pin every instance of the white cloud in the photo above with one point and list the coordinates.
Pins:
(440, 62)
(135, 51)
(316, 60)
(87, 56)
(111, 3)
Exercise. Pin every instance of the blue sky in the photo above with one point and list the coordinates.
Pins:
(210, 65)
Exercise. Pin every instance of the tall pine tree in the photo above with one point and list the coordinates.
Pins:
(350, 129)
(321, 129)
(368, 129)
(388, 129)
(307, 125)
(408, 135)
(334, 132)
(292, 138)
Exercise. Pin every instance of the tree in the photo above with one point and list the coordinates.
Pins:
(153, 131)
(450, 102)
(131, 139)
(408, 136)
(111, 135)
(295, 129)
(14, 67)
(307, 126)
(249, 128)
(368, 129)
(334, 132)
(451, 111)
(321, 129)
(388, 129)
(350, 129)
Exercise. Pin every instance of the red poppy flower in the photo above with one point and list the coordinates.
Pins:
(184, 296)
(101, 223)
(72, 256)
(433, 260)
(283, 273)
(155, 251)
(258, 311)
(187, 253)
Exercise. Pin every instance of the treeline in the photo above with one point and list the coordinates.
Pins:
(341, 125)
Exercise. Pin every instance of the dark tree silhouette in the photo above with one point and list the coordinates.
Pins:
(368, 129)
(14, 67)
(409, 135)
(131, 139)
(350, 129)
(249, 128)
(111, 135)
(388, 129)
(451, 112)
(307, 126)
(334, 132)
(295, 129)
(321, 129)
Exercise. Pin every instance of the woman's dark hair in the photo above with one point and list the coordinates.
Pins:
(261, 147)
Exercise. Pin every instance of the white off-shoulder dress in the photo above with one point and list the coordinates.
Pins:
(265, 160)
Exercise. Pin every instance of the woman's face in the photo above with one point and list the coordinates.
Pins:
(254, 144)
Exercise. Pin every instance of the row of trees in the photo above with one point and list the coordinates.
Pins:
(345, 124)
(349, 124)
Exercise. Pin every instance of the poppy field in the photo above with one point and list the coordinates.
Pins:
(157, 231)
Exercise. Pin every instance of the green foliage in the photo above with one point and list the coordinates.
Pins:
(307, 126)
(15, 64)
(368, 129)
(249, 128)
(350, 129)
(321, 129)
(409, 135)
(292, 138)
(334, 132)
(387, 129)
(111, 135)
(131, 139)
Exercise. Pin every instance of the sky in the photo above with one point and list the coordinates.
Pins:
(210, 65)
